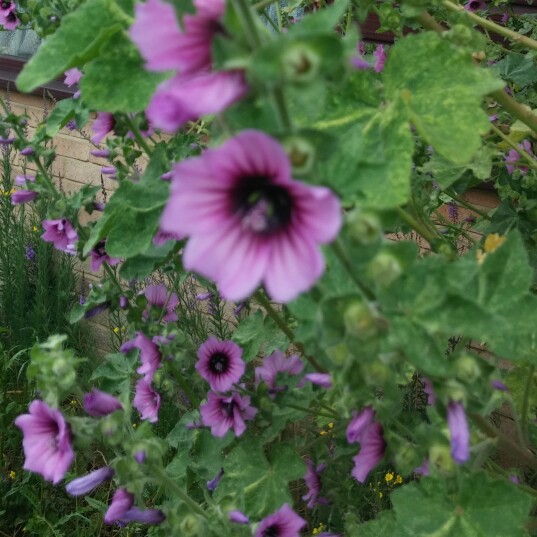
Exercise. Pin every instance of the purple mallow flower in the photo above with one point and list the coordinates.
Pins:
(122, 501)
(47, 441)
(123, 302)
(238, 517)
(143, 516)
(62, 234)
(27, 151)
(499, 385)
(83, 485)
(103, 124)
(149, 354)
(213, 483)
(109, 170)
(6, 7)
(512, 158)
(196, 91)
(9, 21)
(380, 58)
(100, 153)
(313, 482)
(99, 256)
(72, 77)
(146, 401)
(222, 413)
(140, 456)
(248, 220)
(23, 196)
(97, 403)
(368, 433)
(220, 363)
(423, 469)
(475, 5)
(274, 364)
(319, 379)
(22, 180)
(10, 139)
(283, 523)
(459, 432)
(157, 297)
(429, 390)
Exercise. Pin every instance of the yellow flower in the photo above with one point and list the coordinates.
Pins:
(398, 479)
(116, 330)
(389, 477)
(381, 495)
(134, 425)
(493, 242)
(331, 425)
(73, 402)
(323, 433)
(36, 229)
(12, 475)
(318, 529)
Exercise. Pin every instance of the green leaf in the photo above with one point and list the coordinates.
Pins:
(263, 482)
(374, 160)
(77, 41)
(483, 507)
(442, 89)
(141, 266)
(322, 21)
(519, 68)
(116, 81)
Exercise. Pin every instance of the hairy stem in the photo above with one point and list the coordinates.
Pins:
(529, 159)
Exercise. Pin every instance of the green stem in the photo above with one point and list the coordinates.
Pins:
(346, 264)
(263, 4)
(250, 29)
(312, 412)
(492, 26)
(164, 478)
(112, 276)
(270, 21)
(429, 22)
(530, 160)
(280, 107)
(414, 224)
(525, 405)
(515, 108)
(469, 206)
(282, 325)
(138, 136)
(503, 442)
(446, 223)
(185, 386)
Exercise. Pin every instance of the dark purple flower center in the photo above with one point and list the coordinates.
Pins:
(272, 531)
(5, 5)
(264, 208)
(227, 408)
(100, 248)
(11, 17)
(475, 5)
(219, 363)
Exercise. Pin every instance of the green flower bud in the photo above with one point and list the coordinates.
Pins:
(376, 373)
(301, 63)
(364, 228)
(301, 154)
(339, 353)
(191, 525)
(359, 320)
(406, 459)
(440, 456)
(466, 368)
(384, 268)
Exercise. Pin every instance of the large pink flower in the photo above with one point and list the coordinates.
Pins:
(47, 441)
(195, 91)
(249, 221)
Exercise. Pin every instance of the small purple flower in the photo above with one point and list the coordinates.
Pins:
(21, 197)
(238, 517)
(514, 479)
(62, 234)
(96, 310)
(72, 77)
(157, 296)
(123, 302)
(146, 401)
(319, 379)
(453, 211)
(313, 482)
(149, 354)
(71, 125)
(204, 296)
(423, 469)
(277, 363)
(166, 176)
(140, 456)
(99, 256)
(100, 153)
(108, 170)
(239, 308)
(30, 253)
(122, 501)
(364, 429)
(143, 516)
(223, 413)
(97, 403)
(103, 124)
(372, 447)
(380, 58)
(98, 206)
(27, 151)
(283, 523)
(10, 139)
(513, 157)
(220, 363)
(505, 18)
(459, 432)
(46, 441)
(475, 5)
(22, 180)
(213, 483)
(499, 385)
(429, 390)
(360, 63)
(83, 485)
